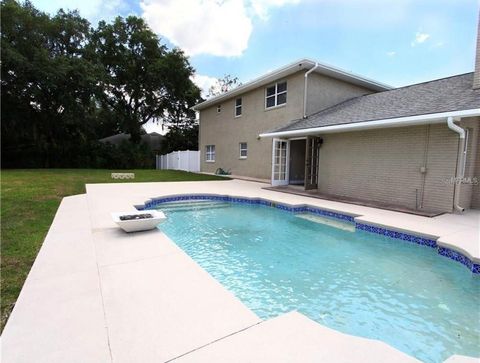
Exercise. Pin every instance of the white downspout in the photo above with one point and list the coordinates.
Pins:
(460, 172)
(306, 89)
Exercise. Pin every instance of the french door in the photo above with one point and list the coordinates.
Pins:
(280, 156)
(311, 162)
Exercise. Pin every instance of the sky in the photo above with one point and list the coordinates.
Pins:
(396, 42)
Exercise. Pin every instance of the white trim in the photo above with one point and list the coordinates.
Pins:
(392, 122)
(275, 107)
(287, 163)
(276, 94)
(235, 107)
(240, 150)
(210, 153)
(301, 64)
(305, 91)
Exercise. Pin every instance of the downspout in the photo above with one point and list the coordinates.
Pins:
(460, 172)
(306, 89)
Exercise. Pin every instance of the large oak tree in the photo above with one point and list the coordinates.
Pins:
(142, 80)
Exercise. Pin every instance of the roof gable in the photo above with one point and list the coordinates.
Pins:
(303, 64)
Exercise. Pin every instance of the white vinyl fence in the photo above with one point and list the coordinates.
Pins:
(179, 160)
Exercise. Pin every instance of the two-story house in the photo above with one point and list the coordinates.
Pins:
(230, 124)
(347, 136)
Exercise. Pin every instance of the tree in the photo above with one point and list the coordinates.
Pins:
(223, 85)
(143, 80)
(180, 138)
(48, 87)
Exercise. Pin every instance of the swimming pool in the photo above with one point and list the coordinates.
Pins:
(349, 280)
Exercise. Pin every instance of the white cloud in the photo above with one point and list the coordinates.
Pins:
(261, 7)
(391, 54)
(214, 27)
(419, 38)
(204, 83)
(196, 26)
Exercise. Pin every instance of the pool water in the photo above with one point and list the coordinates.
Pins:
(353, 281)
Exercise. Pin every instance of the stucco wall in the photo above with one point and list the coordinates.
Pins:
(225, 131)
(384, 166)
(476, 76)
(325, 91)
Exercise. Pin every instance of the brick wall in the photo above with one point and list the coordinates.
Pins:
(384, 166)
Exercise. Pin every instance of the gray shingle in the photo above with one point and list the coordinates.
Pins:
(447, 94)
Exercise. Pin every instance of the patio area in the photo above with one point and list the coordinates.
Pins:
(97, 294)
(300, 190)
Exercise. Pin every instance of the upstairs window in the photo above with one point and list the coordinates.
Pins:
(238, 107)
(243, 150)
(219, 108)
(276, 95)
(210, 153)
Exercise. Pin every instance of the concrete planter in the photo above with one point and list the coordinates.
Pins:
(140, 224)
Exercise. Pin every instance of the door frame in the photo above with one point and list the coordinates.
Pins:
(285, 181)
(312, 151)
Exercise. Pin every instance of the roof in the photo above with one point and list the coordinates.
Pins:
(302, 64)
(449, 94)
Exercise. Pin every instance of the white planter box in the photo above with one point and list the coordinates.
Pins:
(135, 225)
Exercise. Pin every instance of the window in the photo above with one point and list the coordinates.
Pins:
(210, 153)
(276, 95)
(219, 108)
(243, 150)
(238, 107)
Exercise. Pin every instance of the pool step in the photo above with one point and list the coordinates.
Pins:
(191, 206)
(182, 203)
(327, 221)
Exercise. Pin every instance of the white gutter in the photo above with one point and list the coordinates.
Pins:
(288, 70)
(306, 89)
(392, 122)
(461, 155)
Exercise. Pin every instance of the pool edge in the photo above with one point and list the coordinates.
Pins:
(451, 252)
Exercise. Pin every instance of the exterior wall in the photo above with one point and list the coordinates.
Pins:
(476, 76)
(468, 192)
(324, 91)
(476, 188)
(226, 132)
(384, 166)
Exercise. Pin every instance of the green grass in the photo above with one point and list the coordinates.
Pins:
(29, 200)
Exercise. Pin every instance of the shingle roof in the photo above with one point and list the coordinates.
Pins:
(443, 95)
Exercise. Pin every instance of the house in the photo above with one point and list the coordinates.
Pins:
(342, 135)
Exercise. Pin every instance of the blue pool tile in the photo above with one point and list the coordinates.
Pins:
(397, 235)
(457, 256)
(446, 252)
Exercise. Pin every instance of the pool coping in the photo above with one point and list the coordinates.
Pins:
(447, 250)
(69, 305)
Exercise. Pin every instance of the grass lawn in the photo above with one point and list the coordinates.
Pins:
(29, 200)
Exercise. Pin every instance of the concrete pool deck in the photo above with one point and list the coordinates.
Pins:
(96, 294)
